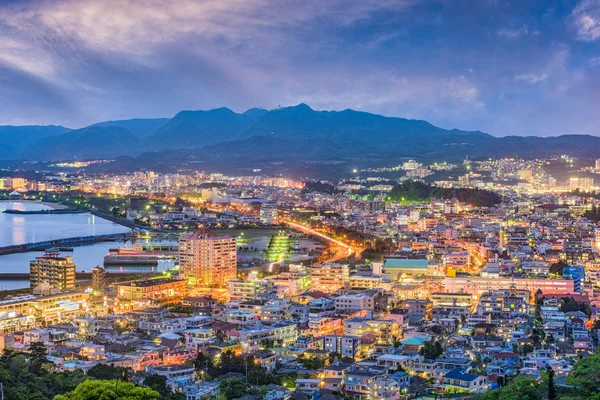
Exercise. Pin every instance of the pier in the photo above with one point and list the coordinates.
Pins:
(74, 241)
(121, 221)
(44, 212)
(79, 276)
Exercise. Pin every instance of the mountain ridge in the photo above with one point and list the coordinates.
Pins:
(287, 134)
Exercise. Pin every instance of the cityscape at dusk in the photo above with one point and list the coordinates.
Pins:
(299, 200)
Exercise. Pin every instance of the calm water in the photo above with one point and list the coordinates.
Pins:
(18, 229)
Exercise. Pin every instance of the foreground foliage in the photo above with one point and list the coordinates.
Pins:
(106, 390)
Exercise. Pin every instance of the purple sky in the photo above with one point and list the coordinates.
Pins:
(505, 67)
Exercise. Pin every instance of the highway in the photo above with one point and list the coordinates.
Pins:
(340, 249)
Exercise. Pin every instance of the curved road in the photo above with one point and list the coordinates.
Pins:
(341, 249)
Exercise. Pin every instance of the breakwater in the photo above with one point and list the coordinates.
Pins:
(74, 241)
(44, 212)
(119, 220)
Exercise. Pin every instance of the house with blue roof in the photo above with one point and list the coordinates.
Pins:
(459, 379)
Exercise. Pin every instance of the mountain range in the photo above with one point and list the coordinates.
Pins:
(259, 137)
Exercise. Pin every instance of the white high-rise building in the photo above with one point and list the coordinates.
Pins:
(269, 214)
(208, 260)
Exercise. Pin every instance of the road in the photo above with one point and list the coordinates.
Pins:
(340, 249)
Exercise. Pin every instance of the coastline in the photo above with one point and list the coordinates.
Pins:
(54, 206)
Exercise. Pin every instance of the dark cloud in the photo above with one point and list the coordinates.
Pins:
(510, 67)
(26, 99)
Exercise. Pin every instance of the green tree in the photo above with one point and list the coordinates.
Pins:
(106, 372)
(204, 363)
(586, 374)
(527, 348)
(232, 388)
(37, 357)
(158, 383)
(551, 387)
(520, 388)
(311, 363)
(432, 350)
(107, 390)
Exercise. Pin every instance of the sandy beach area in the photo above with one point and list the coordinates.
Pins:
(54, 206)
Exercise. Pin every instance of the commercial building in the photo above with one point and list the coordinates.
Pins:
(51, 308)
(396, 267)
(346, 346)
(241, 290)
(329, 277)
(162, 289)
(478, 285)
(208, 260)
(51, 268)
(355, 302)
(269, 214)
(253, 338)
(451, 303)
(577, 273)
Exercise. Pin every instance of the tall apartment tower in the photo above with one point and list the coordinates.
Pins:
(208, 260)
(98, 279)
(53, 269)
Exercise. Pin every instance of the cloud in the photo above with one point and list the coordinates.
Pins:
(26, 98)
(586, 19)
(594, 61)
(90, 60)
(514, 33)
(531, 78)
(460, 90)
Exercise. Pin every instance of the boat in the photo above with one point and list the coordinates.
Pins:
(133, 257)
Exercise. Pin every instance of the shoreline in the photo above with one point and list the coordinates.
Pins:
(54, 206)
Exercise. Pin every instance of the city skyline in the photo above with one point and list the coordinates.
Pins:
(523, 68)
(293, 200)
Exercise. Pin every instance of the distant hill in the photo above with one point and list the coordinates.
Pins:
(279, 140)
(301, 122)
(91, 142)
(16, 139)
(199, 128)
(139, 127)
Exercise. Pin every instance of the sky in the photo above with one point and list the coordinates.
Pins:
(504, 67)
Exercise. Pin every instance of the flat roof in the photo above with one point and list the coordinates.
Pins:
(405, 263)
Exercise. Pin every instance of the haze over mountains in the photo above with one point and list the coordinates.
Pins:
(287, 134)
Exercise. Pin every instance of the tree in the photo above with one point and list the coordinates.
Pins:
(233, 388)
(107, 372)
(432, 350)
(437, 329)
(37, 357)
(551, 387)
(158, 383)
(25, 376)
(527, 348)
(205, 363)
(557, 268)
(586, 374)
(104, 390)
(520, 388)
(312, 363)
